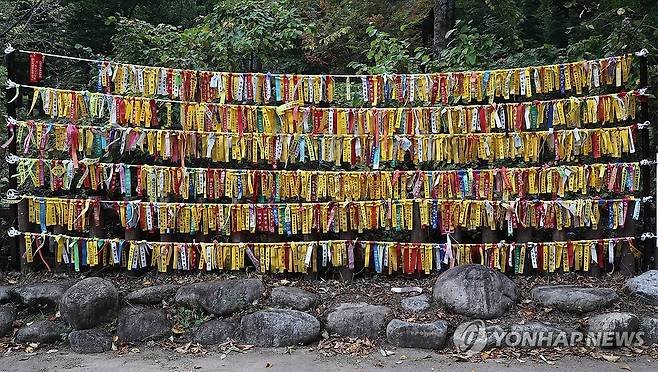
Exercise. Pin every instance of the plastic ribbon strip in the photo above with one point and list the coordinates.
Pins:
(292, 256)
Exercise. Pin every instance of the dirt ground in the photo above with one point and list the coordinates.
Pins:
(303, 359)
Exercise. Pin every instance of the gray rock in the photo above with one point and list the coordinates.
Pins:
(222, 297)
(152, 295)
(538, 334)
(89, 303)
(475, 291)
(649, 325)
(279, 327)
(5, 293)
(605, 327)
(42, 295)
(416, 304)
(214, 332)
(142, 324)
(475, 336)
(189, 295)
(7, 318)
(418, 335)
(357, 319)
(644, 287)
(43, 332)
(494, 333)
(90, 341)
(294, 298)
(573, 299)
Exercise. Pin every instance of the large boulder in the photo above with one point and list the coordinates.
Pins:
(222, 297)
(605, 330)
(90, 341)
(89, 303)
(649, 325)
(39, 296)
(152, 295)
(189, 295)
(644, 287)
(43, 332)
(7, 318)
(574, 299)
(5, 293)
(416, 304)
(418, 335)
(214, 332)
(139, 324)
(357, 319)
(294, 298)
(475, 291)
(279, 327)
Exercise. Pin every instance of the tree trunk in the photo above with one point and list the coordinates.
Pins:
(444, 21)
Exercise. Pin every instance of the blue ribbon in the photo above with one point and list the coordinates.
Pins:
(375, 250)
(42, 215)
(83, 250)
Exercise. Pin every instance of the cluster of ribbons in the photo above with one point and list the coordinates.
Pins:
(294, 118)
(159, 182)
(310, 256)
(325, 217)
(174, 116)
(283, 149)
(430, 88)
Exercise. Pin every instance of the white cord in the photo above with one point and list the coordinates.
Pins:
(647, 162)
(12, 232)
(9, 48)
(13, 194)
(12, 159)
(643, 125)
(647, 199)
(642, 53)
(647, 235)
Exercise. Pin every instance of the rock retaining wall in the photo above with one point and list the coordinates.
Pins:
(92, 311)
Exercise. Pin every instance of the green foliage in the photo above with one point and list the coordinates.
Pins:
(336, 36)
(240, 34)
(188, 318)
(235, 35)
(468, 48)
(390, 54)
(137, 41)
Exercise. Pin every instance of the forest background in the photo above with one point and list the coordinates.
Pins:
(329, 36)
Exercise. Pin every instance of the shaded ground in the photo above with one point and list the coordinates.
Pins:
(156, 359)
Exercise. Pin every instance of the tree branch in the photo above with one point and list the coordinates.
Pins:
(27, 15)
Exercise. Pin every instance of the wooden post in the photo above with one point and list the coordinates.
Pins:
(627, 260)
(559, 236)
(58, 267)
(488, 236)
(650, 246)
(418, 234)
(346, 274)
(15, 249)
(524, 235)
(96, 231)
(23, 226)
(592, 234)
(313, 237)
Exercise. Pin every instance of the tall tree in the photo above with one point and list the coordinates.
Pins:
(444, 21)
